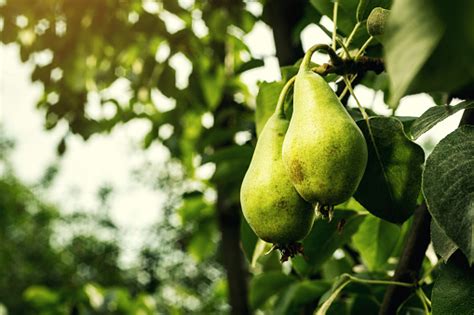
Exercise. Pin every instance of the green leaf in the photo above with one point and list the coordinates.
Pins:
(287, 72)
(265, 285)
(194, 207)
(448, 185)
(413, 32)
(167, 81)
(41, 296)
(267, 99)
(251, 64)
(442, 245)
(325, 238)
(366, 6)
(453, 290)
(212, 85)
(376, 240)
(435, 115)
(300, 294)
(346, 17)
(392, 180)
(366, 305)
(411, 306)
(200, 247)
(333, 267)
(339, 307)
(404, 230)
(228, 153)
(420, 34)
(411, 311)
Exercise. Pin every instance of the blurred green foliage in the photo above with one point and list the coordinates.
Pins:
(62, 264)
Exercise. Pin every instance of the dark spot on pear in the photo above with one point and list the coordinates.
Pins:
(296, 171)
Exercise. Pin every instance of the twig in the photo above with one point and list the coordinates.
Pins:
(334, 20)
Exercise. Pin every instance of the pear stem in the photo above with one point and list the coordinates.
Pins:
(364, 46)
(346, 50)
(281, 99)
(306, 63)
(351, 35)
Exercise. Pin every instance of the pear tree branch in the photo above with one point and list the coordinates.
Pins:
(350, 66)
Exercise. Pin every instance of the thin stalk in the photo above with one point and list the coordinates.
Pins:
(364, 114)
(327, 304)
(281, 99)
(346, 89)
(351, 35)
(387, 282)
(364, 46)
(427, 300)
(369, 128)
(348, 279)
(428, 272)
(334, 19)
(344, 47)
(425, 305)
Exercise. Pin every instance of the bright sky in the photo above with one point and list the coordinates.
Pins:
(109, 159)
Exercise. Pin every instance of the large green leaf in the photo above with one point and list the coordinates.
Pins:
(299, 294)
(420, 34)
(453, 291)
(435, 115)
(376, 240)
(325, 238)
(412, 34)
(265, 285)
(391, 184)
(442, 245)
(448, 187)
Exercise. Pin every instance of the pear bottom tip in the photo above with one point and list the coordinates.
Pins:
(289, 250)
(324, 211)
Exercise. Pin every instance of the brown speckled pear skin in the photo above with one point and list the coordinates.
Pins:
(270, 203)
(324, 151)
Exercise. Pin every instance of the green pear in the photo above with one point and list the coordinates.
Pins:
(324, 151)
(270, 203)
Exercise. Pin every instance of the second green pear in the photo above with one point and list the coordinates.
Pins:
(270, 203)
(324, 151)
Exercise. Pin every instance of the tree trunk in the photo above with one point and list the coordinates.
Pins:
(233, 258)
(283, 16)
